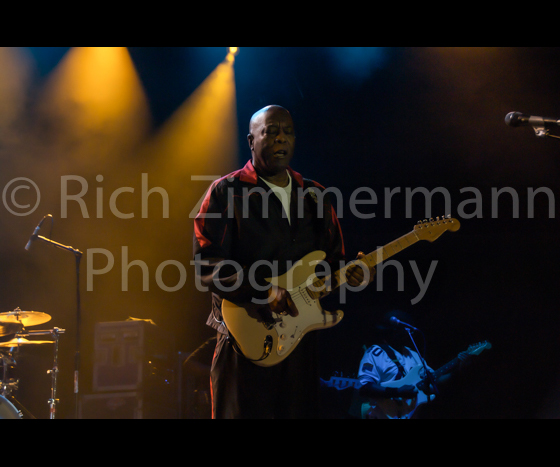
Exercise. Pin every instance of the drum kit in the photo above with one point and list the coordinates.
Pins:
(14, 336)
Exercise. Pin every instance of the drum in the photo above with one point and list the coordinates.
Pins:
(7, 366)
(8, 410)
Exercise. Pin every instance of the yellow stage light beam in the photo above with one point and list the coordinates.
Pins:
(200, 138)
(14, 82)
(94, 101)
(198, 141)
(232, 53)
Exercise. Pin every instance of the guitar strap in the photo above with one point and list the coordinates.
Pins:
(391, 353)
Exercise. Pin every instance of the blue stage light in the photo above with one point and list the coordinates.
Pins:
(358, 62)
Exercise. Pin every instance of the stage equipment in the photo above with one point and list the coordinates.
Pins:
(135, 373)
(78, 256)
(9, 347)
(540, 124)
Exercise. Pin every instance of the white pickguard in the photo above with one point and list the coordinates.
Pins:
(253, 335)
(290, 330)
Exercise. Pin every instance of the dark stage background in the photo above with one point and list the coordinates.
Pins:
(386, 118)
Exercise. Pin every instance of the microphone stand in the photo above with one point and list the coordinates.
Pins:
(78, 255)
(542, 132)
(428, 374)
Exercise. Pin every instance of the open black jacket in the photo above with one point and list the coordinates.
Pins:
(242, 223)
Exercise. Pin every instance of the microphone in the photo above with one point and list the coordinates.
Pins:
(398, 322)
(36, 232)
(516, 119)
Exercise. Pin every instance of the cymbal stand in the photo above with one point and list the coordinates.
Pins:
(55, 333)
(54, 373)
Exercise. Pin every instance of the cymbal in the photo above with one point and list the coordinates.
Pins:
(7, 329)
(21, 341)
(27, 318)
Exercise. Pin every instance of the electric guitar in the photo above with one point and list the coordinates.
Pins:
(399, 408)
(266, 339)
(340, 383)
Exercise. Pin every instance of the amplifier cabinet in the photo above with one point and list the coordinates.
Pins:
(130, 356)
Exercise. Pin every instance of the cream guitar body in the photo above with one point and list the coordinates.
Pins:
(267, 344)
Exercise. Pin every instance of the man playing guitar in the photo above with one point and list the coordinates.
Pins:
(384, 365)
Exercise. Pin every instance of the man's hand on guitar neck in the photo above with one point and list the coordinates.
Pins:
(355, 273)
(280, 301)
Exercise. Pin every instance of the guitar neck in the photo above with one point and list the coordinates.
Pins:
(392, 248)
(329, 283)
(447, 368)
(450, 366)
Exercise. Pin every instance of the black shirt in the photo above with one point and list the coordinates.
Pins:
(242, 235)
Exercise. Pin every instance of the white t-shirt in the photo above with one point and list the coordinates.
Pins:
(377, 367)
(284, 194)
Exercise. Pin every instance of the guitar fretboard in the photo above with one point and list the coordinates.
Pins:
(327, 284)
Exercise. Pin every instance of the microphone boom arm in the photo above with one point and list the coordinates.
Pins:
(60, 245)
(542, 132)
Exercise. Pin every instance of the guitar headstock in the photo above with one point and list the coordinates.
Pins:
(339, 382)
(477, 349)
(432, 229)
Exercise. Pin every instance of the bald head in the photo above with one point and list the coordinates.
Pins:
(260, 114)
(272, 140)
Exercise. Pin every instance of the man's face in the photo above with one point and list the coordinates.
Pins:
(272, 141)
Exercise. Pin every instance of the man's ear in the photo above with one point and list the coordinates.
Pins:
(250, 139)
